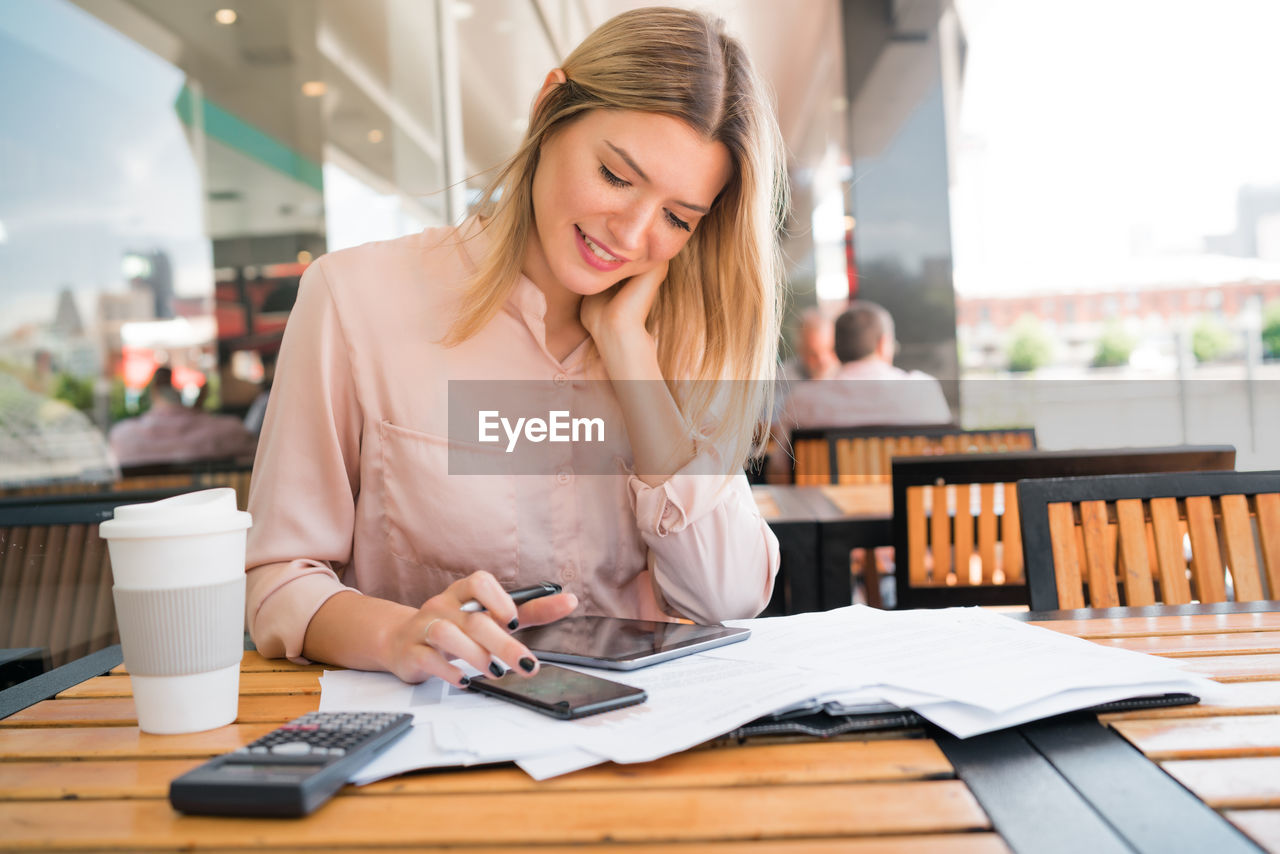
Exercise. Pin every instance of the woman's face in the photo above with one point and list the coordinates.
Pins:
(617, 193)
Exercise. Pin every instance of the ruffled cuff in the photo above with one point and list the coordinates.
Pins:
(280, 602)
(681, 499)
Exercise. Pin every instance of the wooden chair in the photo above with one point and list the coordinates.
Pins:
(956, 532)
(1123, 540)
(863, 454)
(55, 574)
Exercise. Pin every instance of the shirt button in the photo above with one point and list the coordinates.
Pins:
(564, 475)
(561, 379)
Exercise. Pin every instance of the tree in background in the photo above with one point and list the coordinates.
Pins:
(77, 391)
(1211, 340)
(1115, 346)
(1271, 331)
(1030, 346)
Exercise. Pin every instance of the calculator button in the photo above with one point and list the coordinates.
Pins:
(292, 748)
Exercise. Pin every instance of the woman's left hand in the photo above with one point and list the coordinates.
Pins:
(622, 310)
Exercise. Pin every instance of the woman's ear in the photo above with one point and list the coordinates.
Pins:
(555, 77)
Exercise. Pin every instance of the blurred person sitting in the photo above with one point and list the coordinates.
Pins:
(171, 432)
(815, 349)
(866, 389)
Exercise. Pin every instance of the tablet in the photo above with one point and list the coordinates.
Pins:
(617, 644)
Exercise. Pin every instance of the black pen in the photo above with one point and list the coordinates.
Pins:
(524, 594)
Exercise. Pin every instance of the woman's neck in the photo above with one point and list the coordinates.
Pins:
(563, 329)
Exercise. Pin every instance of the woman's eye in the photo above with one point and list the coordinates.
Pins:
(610, 177)
(677, 221)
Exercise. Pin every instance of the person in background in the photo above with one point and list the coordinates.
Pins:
(170, 432)
(815, 349)
(629, 246)
(865, 390)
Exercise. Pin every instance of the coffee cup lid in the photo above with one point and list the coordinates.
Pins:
(209, 511)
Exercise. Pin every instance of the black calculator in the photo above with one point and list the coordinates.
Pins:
(291, 770)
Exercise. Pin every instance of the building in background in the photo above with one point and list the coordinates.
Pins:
(172, 166)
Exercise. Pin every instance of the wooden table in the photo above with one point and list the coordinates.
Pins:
(817, 527)
(76, 773)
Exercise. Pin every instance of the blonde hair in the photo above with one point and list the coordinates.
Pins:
(716, 316)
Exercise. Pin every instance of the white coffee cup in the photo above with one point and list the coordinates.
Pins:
(178, 566)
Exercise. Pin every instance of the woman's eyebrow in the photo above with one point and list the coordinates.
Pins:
(627, 159)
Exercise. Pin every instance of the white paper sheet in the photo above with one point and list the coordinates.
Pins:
(967, 670)
(555, 764)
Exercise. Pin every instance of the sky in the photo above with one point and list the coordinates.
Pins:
(93, 162)
(1097, 134)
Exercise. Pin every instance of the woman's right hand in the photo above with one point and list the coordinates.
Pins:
(423, 644)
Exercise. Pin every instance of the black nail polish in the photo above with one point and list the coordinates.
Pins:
(514, 624)
(496, 669)
(464, 681)
(527, 664)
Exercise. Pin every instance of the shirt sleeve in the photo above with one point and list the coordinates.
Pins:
(305, 476)
(714, 557)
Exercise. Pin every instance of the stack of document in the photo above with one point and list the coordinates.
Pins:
(967, 670)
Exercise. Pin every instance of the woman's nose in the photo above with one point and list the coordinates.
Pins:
(629, 228)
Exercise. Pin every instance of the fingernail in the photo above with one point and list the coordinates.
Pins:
(496, 669)
(527, 665)
(464, 681)
(514, 624)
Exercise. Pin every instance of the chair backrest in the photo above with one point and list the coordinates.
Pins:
(956, 533)
(55, 575)
(189, 476)
(184, 476)
(863, 454)
(1125, 540)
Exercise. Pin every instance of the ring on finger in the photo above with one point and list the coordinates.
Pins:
(426, 633)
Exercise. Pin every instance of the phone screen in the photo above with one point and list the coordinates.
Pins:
(560, 692)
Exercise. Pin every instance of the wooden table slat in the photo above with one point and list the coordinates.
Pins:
(955, 843)
(1165, 625)
(765, 812)
(1262, 826)
(254, 662)
(122, 742)
(801, 764)
(1234, 668)
(1204, 737)
(278, 682)
(1249, 782)
(1226, 643)
(120, 711)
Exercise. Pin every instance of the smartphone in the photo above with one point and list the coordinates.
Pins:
(560, 692)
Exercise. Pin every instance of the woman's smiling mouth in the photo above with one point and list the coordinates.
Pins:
(595, 254)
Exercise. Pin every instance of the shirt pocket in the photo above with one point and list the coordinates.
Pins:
(453, 524)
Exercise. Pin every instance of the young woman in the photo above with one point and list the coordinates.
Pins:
(630, 241)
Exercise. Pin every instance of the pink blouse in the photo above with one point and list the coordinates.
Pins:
(351, 486)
